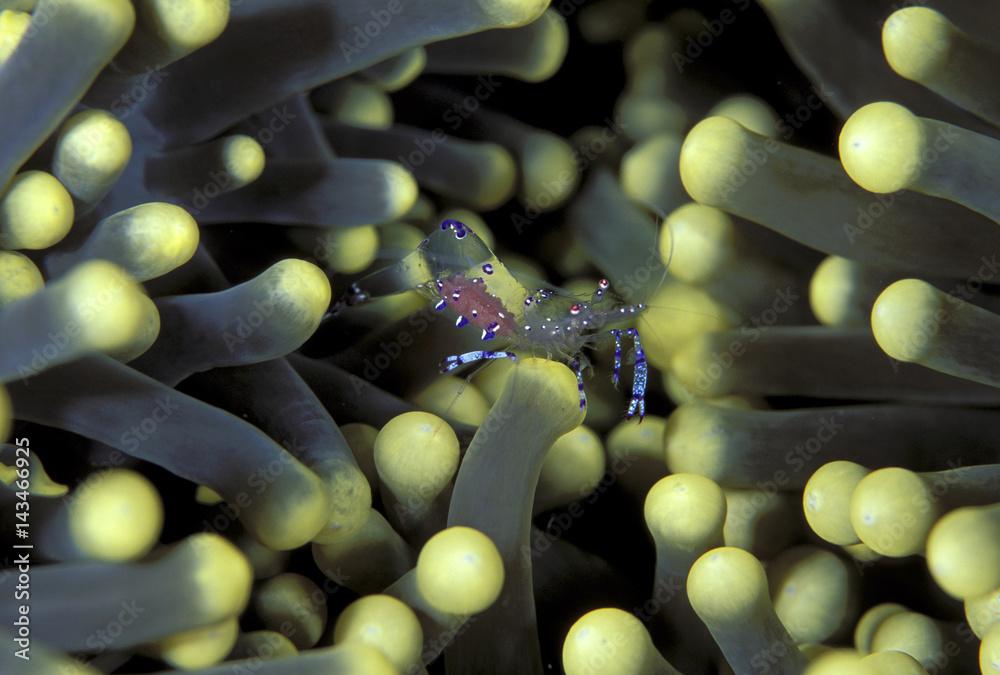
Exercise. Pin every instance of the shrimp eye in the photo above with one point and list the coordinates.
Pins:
(574, 310)
(603, 284)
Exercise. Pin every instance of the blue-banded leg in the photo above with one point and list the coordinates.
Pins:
(616, 374)
(578, 369)
(637, 405)
(450, 363)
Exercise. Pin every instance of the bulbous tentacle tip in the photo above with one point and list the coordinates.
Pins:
(513, 13)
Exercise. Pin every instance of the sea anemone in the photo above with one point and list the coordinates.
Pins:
(242, 428)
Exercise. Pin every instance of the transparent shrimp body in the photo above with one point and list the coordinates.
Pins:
(564, 326)
(458, 272)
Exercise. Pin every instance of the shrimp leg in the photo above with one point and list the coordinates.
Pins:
(578, 369)
(616, 375)
(637, 404)
(450, 363)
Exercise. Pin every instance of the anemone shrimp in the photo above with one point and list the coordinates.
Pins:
(459, 272)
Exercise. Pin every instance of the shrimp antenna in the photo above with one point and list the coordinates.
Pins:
(662, 218)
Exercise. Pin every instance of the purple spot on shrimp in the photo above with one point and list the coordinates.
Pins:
(441, 304)
(456, 226)
(461, 321)
(488, 268)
